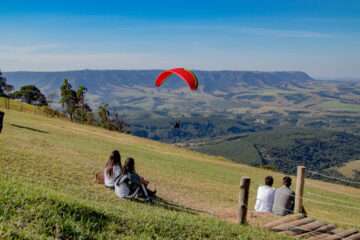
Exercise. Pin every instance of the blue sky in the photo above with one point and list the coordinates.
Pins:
(321, 37)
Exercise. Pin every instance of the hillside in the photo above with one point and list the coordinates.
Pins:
(317, 150)
(47, 187)
(228, 104)
(53, 161)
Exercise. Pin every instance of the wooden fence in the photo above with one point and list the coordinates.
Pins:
(297, 225)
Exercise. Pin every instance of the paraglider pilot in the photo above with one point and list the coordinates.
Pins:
(188, 76)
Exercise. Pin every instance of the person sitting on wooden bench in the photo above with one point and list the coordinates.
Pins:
(284, 200)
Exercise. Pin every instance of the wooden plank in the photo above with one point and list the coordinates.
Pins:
(353, 237)
(287, 226)
(287, 219)
(319, 237)
(316, 232)
(312, 226)
(341, 235)
(304, 228)
(327, 228)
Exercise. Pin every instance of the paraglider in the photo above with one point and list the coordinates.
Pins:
(186, 75)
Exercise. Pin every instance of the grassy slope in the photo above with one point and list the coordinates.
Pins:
(348, 169)
(64, 156)
(243, 150)
(338, 106)
(28, 213)
(47, 188)
(240, 150)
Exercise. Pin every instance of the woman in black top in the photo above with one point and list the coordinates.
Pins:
(135, 181)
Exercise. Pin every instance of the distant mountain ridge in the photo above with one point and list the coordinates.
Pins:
(209, 80)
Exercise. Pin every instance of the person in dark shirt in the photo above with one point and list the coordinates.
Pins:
(284, 199)
(135, 181)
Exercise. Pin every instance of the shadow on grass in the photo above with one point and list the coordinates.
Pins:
(162, 203)
(29, 128)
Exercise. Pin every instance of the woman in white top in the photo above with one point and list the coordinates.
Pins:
(112, 169)
(265, 196)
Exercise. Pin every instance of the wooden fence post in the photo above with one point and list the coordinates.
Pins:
(2, 114)
(243, 199)
(300, 180)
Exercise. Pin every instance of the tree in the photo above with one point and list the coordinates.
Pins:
(30, 94)
(119, 124)
(4, 87)
(68, 98)
(110, 121)
(83, 112)
(104, 115)
(74, 103)
(80, 94)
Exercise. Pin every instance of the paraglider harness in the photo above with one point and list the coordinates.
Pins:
(2, 114)
(137, 191)
(177, 125)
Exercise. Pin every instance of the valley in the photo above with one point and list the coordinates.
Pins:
(271, 119)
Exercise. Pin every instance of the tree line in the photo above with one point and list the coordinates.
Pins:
(73, 104)
(75, 107)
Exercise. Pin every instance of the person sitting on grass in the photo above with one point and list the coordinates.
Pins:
(284, 200)
(265, 196)
(131, 185)
(112, 169)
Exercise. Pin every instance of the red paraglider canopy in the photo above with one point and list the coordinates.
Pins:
(186, 75)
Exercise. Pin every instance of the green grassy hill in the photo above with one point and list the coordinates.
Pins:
(286, 148)
(47, 168)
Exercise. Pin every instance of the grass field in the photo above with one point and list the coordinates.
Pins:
(244, 150)
(240, 150)
(53, 162)
(338, 106)
(348, 169)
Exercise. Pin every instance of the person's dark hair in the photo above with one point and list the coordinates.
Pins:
(129, 166)
(269, 181)
(287, 181)
(114, 159)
